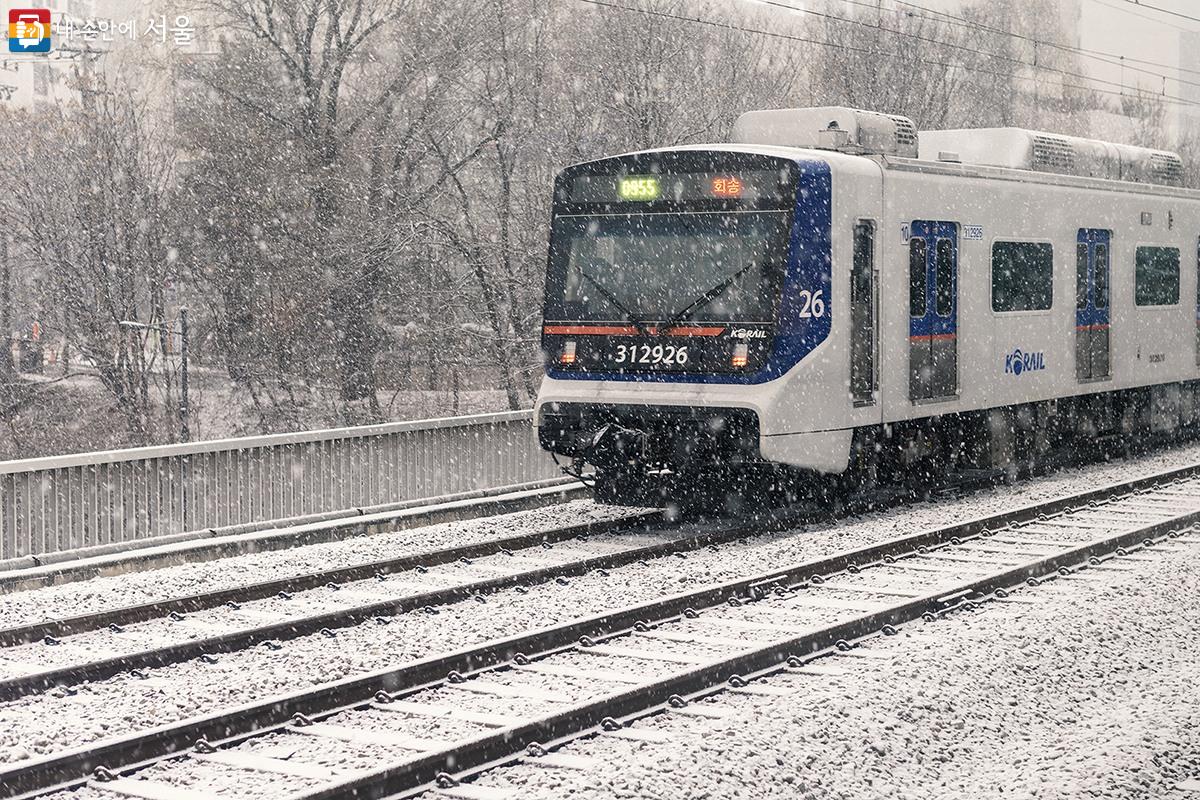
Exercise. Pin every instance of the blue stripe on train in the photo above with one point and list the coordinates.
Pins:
(1091, 316)
(934, 324)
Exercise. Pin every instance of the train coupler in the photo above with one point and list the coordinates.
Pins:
(616, 447)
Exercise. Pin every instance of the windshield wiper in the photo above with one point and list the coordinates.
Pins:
(615, 301)
(704, 299)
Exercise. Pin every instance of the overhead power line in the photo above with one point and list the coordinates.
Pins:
(1121, 7)
(1161, 10)
(1171, 99)
(1000, 56)
(1098, 55)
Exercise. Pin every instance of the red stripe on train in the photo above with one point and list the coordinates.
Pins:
(628, 330)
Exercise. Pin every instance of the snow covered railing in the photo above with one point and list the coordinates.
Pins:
(88, 499)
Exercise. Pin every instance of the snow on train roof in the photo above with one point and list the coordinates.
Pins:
(1017, 148)
(859, 132)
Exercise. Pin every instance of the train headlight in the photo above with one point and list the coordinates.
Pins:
(741, 354)
(568, 353)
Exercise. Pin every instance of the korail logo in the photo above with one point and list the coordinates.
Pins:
(1019, 361)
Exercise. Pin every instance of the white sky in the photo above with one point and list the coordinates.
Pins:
(1119, 27)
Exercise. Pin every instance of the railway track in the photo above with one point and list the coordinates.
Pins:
(277, 610)
(59, 653)
(200, 601)
(438, 721)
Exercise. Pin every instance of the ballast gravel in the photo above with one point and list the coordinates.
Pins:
(334, 754)
(118, 591)
(1084, 687)
(223, 780)
(71, 717)
(1063, 691)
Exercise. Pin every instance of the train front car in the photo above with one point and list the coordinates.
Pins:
(682, 285)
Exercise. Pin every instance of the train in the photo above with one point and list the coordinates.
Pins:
(834, 294)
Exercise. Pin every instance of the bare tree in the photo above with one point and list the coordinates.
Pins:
(336, 87)
(1148, 114)
(89, 193)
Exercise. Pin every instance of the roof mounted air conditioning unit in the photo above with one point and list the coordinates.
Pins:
(1016, 148)
(848, 130)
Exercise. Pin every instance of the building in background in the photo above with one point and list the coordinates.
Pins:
(30, 80)
(1070, 12)
(1189, 69)
(90, 37)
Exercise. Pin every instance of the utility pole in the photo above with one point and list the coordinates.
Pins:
(184, 411)
(6, 359)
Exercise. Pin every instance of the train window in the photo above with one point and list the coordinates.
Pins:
(944, 275)
(1023, 276)
(1198, 277)
(1156, 277)
(1101, 288)
(916, 277)
(860, 283)
(1081, 276)
(862, 314)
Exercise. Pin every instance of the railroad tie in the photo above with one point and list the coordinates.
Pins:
(564, 761)
(360, 736)
(448, 712)
(609, 676)
(149, 790)
(469, 791)
(262, 763)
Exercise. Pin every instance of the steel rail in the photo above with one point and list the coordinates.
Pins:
(199, 601)
(294, 627)
(495, 748)
(184, 604)
(71, 768)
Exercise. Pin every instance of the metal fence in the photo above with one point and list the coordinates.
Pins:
(67, 502)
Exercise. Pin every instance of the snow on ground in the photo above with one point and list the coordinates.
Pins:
(117, 591)
(1089, 692)
(44, 723)
(106, 643)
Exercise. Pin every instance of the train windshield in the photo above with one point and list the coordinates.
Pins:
(659, 267)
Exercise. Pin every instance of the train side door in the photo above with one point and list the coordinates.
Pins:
(1092, 318)
(933, 310)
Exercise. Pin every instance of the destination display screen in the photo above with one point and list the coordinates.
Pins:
(639, 187)
(745, 185)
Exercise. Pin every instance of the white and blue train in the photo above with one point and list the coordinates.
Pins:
(835, 293)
